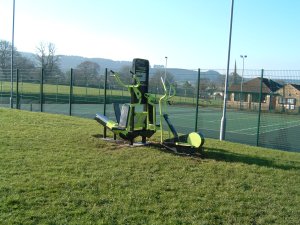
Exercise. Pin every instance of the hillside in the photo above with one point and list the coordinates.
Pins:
(56, 169)
(68, 62)
(192, 75)
(181, 75)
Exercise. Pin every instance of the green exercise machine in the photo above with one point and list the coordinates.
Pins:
(138, 118)
(189, 143)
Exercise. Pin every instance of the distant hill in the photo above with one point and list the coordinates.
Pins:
(29, 56)
(192, 75)
(67, 62)
(181, 75)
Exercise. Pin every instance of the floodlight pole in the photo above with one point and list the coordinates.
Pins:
(12, 59)
(166, 68)
(243, 57)
(223, 120)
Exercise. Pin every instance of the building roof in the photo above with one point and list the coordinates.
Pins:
(297, 86)
(253, 86)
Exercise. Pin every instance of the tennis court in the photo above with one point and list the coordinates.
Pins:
(275, 130)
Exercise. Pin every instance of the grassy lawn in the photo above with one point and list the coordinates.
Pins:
(34, 89)
(55, 170)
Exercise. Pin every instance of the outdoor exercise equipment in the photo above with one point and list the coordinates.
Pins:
(138, 118)
(189, 143)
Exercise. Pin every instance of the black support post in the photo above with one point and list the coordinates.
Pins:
(42, 90)
(104, 106)
(259, 107)
(71, 93)
(17, 90)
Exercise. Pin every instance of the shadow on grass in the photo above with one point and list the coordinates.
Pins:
(218, 155)
(226, 156)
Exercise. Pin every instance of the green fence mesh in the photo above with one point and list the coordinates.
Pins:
(263, 107)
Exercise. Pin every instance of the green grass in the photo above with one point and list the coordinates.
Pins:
(55, 170)
(33, 90)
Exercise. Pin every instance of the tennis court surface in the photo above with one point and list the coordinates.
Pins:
(274, 130)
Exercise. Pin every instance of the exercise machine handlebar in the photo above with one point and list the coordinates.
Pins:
(118, 78)
(134, 87)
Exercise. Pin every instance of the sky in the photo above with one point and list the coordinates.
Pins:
(190, 33)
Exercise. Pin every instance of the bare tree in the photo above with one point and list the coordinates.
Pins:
(48, 60)
(155, 80)
(125, 74)
(5, 54)
(20, 62)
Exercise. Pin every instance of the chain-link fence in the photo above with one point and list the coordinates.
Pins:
(263, 107)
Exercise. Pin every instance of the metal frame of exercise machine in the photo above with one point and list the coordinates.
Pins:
(138, 118)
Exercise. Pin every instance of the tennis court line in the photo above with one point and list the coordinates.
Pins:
(282, 128)
(272, 125)
(240, 118)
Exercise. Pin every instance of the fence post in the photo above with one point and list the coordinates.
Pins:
(99, 92)
(17, 90)
(284, 100)
(42, 90)
(197, 101)
(86, 88)
(1, 90)
(71, 93)
(259, 106)
(104, 104)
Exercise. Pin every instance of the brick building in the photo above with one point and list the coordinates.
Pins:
(246, 95)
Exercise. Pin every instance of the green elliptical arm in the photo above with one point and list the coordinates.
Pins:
(134, 87)
(162, 101)
(172, 92)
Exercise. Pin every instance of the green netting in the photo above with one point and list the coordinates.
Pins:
(262, 108)
(280, 125)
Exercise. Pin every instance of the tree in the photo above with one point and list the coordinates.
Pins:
(125, 74)
(24, 63)
(5, 55)
(48, 60)
(188, 88)
(155, 80)
(20, 62)
(204, 84)
(89, 72)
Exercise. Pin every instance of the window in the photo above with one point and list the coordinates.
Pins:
(237, 96)
(255, 98)
(281, 100)
(244, 97)
(264, 98)
(240, 97)
(287, 101)
(291, 101)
